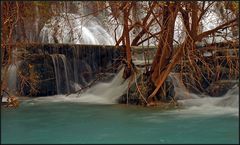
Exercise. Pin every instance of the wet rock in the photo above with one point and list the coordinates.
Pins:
(132, 96)
(84, 64)
(219, 88)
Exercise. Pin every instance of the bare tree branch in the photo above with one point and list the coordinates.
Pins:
(206, 33)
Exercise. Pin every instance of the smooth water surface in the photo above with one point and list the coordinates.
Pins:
(67, 122)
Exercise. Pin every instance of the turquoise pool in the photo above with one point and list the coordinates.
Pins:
(68, 122)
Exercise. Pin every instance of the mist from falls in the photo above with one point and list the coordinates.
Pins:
(73, 29)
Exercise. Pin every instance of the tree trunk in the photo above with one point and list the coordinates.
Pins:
(175, 59)
(164, 60)
(126, 40)
(165, 46)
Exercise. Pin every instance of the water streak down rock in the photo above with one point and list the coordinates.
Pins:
(73, 66)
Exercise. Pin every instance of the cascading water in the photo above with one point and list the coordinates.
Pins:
(181, 91)
(55, 63)
(72, 28)
(100, 93)
(62, 81)
(105, 93)
(12, 73)
(202, 104)
(76, 66)
(12, 77)
(230, 99)
(65, 72)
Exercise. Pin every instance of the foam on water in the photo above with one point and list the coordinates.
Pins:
(193, 105)
(228, 104)
(100, 93)
(203, 104)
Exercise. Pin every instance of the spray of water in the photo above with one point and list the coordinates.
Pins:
(227, 104)
(100, 93)
(72, 28)
(181, 91)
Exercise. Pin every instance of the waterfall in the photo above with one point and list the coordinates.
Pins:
(227, 104)
(65, 71)
(181, 91)
(12, 73)
(106, 93)
(62, 78)
(203, 104)
(56, 70)
(75, 65)
(230, 99)
(103, 92)
(72, 28)
(100, 93)
(12, 78)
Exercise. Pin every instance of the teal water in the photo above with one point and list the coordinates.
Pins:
(66, 122)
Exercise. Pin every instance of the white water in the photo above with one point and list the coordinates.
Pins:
(12, 77)
(58, 72)
(181, 91)
(75, 65)
(105, 93)
(72, 28)
(193, 105)
(78, 32)
(65, 72)
(100, 93)
(202, 104)
(228, 104)
(55, 63)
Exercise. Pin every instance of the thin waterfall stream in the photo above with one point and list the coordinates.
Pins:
(62, 81)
